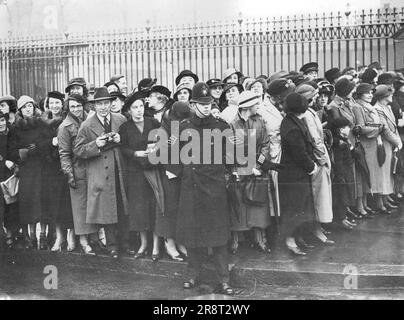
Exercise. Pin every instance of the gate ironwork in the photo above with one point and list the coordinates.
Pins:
(37, 64)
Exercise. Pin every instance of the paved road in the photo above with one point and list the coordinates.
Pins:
(27, 282)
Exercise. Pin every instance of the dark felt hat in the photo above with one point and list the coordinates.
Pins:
(76, 97)
(332, 74)
(186, 73)
(146, 83)
(281, 87)
(382, 91)
(398, 83)
(75, 82)
(296, 103)
(180, 111)
(118, 94)
(369, 75)
(363, 88)
(308, 67)
(56, 95)
(161, 89)
(130, 99)
(102, 94)
(344, 87)
(200, 94)
(386, 78)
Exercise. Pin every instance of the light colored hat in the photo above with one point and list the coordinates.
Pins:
(23, 101)
(229, 72)
(247, 99)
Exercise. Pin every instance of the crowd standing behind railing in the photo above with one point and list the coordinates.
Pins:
(328, 153)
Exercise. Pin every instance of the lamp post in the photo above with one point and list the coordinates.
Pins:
(148, 45)
(347, 14)
(240, 37)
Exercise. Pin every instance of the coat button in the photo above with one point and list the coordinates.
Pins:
(106, 168)
(106, 178)
(105, 157)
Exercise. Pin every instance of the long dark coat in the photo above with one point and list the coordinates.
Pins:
(26, 132)
(7, 212)
(203, 216)
(295, 192)
(101, 166)
(55, 197)
(141, 199)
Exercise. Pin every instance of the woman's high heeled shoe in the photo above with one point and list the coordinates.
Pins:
(58, 245)
(141, 254)
(87, 250)
(173, 256)
(182, 251)
(296, 250)
(262, 247)
(155, 257)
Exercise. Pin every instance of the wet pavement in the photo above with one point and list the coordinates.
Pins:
(375, 248)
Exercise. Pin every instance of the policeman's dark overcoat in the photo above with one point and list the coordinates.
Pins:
(203, 216)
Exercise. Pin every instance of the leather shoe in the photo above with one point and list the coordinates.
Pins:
(155, 257)
(140, 255)
(190, 284)
(301, 243)
(296, 251)
(385, 211)
(328, 242)
(226, 289)
(114, 254)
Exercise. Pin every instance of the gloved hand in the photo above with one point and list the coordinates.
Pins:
(23, 153)
(71, 180)
(269, 165)
(16, 171)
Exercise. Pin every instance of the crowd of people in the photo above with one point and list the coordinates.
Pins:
(328, 152)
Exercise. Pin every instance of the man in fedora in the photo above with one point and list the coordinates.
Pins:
(98, 144)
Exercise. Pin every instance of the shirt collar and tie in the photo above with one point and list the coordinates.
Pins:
(106, 122)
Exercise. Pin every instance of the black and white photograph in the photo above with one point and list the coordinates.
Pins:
(227, 152)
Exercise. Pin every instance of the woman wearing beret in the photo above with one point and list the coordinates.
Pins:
(142, 200)
(391, 142)
(228, 102)
(74, 169)
(372, 130)
(56, 204)
(29, 138)
(294, 180)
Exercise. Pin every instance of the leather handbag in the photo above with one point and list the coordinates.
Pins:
(381, 152)
(256, 191)
(10, 189)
